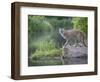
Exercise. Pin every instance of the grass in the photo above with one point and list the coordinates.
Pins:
(47, 53)
(45, 48)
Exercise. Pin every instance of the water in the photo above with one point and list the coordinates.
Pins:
(48, 61)
(76, 60)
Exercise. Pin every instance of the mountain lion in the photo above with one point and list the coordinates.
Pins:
(75, 36)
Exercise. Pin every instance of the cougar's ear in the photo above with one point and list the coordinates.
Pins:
(62, 29)
(59, 29)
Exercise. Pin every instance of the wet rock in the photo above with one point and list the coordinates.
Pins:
(71, 51)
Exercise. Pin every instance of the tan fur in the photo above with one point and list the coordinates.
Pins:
(73, 35)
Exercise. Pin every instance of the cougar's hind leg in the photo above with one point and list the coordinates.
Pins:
(75, 43)
(80, 44)
(84, 42)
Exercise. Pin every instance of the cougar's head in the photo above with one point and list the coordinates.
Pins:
(61, 30)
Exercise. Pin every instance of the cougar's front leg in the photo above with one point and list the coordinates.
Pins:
(65, 44)
(75, 43)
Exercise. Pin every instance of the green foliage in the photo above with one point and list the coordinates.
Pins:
(45, 45)
(60, 22)
(44, 39)
(49, 53)
(37, 28)
(80, 23)
(45, 48)
(38, 25)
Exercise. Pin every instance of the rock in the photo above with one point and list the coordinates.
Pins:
(71, 51)
(75, 60)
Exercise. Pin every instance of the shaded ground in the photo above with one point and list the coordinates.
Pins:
(76, 60)
(46, 61)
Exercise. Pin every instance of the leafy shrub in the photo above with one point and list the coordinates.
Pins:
(46, 48)
(80, 23)
(50, 53)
